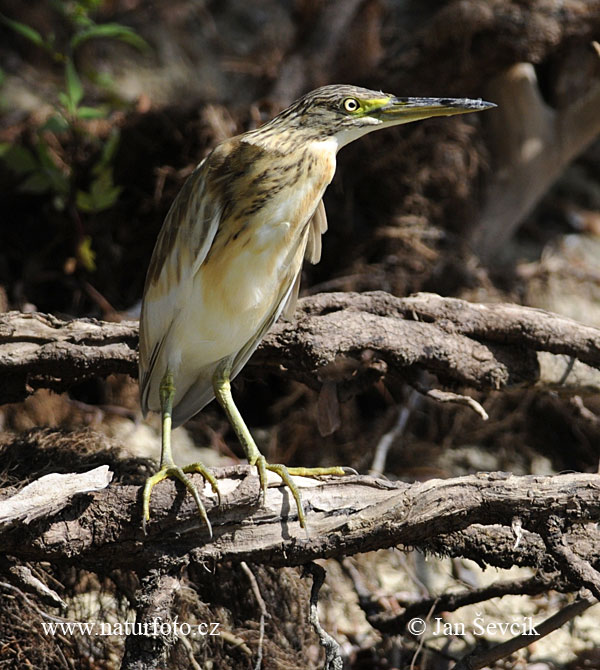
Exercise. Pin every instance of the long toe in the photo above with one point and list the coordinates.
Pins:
(286, 477)
(208, 476)
(284, 474)
(175, 472)
(336, 470)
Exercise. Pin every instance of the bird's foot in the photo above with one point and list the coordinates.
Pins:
(286, 474)
(175, 472)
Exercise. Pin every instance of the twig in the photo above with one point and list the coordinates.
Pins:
(189, 651)
(29, 603)
(413, 660)
(448, 396)
(573, 566)
(333, 660)
(365, 597)
(450, 602)
(386, 441)
(481, 659)
(23, 574)
(236, 642)
(263, 612)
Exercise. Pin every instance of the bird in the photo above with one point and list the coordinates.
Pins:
(227, 261)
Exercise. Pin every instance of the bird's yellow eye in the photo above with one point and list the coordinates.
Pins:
(351, 104)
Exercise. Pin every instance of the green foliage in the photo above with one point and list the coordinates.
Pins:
(25, 31)
(103, 193)
(110, 30)
(86, 255)
(38, 167)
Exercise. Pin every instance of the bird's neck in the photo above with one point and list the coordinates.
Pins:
(273, 138)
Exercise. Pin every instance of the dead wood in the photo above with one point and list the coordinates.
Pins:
(42, 351)
(456, 517)
(532, 144)
(348, 339)
(155, 601)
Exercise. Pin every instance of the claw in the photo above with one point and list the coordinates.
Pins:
(286, 474)
(179, 473)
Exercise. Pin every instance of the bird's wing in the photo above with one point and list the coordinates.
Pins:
(181, 248)
(200, 393)
(316, 227)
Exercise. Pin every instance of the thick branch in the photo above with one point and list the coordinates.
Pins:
(482, 658)
(484, 346)
(345, 516)
(41, 351)
(154, 602)
(533, 144)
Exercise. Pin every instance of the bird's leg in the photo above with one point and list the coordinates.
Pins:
(167, 464)
(222, 388)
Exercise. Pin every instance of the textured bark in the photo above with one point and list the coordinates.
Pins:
(456, 517)
(42, 351)
(349, 339)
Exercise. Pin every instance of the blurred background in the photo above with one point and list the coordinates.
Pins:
(107, 105)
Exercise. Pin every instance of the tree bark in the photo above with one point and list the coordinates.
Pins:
(457, 517)
(349, 339)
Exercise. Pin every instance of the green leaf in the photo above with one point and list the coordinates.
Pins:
(44, 157)
(108, 152)
(19, 159)
(86, 255)
(63, 99)
(74, 87)
(24, 30)
(112, 31)
(56, 124)
(59, 181)
(103, 79)
(38, 182)
(102, 194)
(86, 113)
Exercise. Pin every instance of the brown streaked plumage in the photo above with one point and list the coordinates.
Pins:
(227, 261)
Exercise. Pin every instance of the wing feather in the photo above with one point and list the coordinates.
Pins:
(316, 227)
(234, 215)
(181, 248)
(200, 393)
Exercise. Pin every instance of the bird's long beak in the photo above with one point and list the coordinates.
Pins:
(404, 110)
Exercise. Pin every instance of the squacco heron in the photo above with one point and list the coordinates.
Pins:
(228, 260)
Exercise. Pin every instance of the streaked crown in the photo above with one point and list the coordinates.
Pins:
(332, 108)
(347, 112)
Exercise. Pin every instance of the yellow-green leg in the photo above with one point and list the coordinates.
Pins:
(167, 464)
(222, 388)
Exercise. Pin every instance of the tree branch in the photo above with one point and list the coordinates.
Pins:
(345, 516)
(533, 144)
(484, 658)
(450, 602)
(349, 339)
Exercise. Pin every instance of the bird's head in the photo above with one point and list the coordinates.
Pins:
(347, 112)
